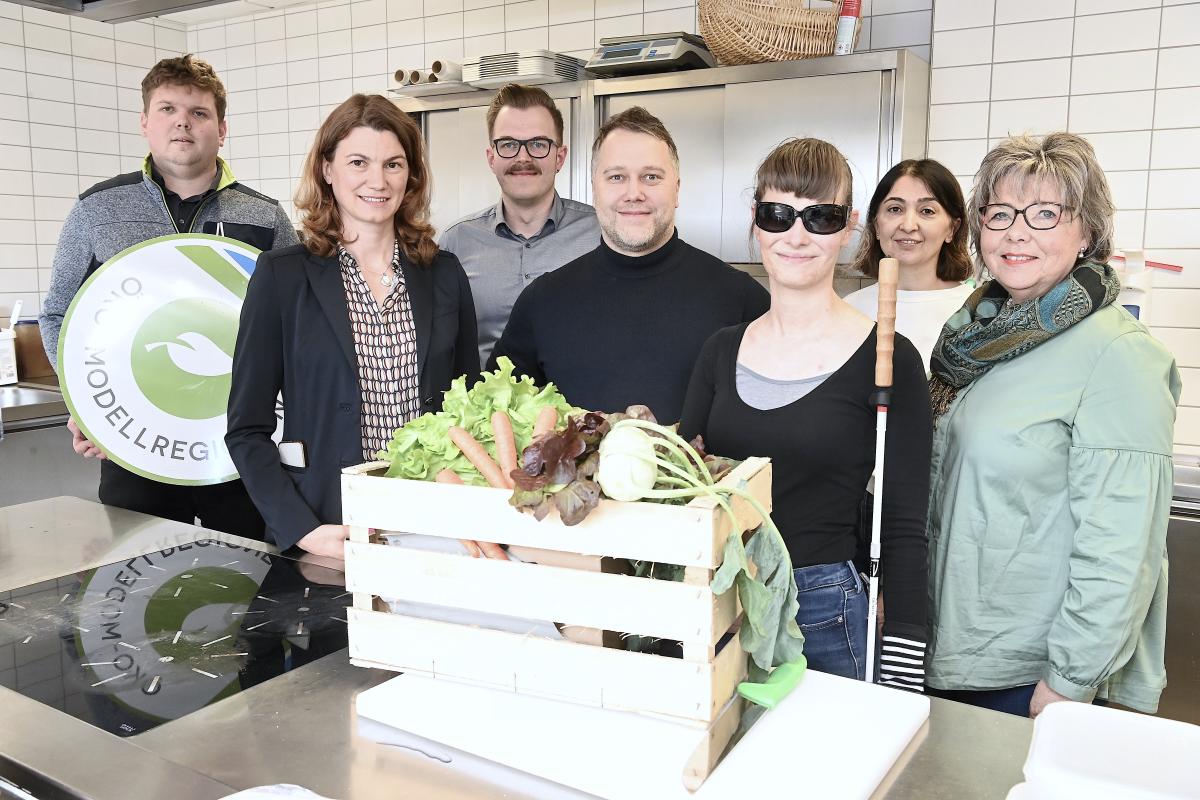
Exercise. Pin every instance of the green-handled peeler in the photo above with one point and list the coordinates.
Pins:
(778, 685)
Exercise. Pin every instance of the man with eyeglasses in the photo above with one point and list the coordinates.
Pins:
(531, 230)
(624, 323)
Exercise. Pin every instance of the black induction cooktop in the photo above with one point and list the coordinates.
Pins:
(129, 646)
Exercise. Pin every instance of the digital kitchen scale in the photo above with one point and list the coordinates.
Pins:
(659, 52)
(132, 645)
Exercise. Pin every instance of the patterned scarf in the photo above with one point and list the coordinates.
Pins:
(991, 328)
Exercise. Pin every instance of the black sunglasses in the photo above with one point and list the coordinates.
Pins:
(823, 219)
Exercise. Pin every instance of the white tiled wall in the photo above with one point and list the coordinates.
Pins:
(1124, 74)
(69, 103)
(286, 68)
(69, 87)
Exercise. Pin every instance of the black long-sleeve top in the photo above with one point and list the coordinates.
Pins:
(822, 448)
(612, 330)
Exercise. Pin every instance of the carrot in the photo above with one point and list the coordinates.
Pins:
(506, 444)
(448, 475)
(546, 421)
(479, 458)
(474, 549)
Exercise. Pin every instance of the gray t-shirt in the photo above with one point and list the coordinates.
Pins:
(763, 393)
(500, 263)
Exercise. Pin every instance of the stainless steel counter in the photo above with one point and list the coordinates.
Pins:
(42, 749)
(301, 727)
(28, 404)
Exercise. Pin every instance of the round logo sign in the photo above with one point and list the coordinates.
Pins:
(145, 355)
(160, 632)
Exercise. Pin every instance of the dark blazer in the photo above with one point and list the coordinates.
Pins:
(295, 338)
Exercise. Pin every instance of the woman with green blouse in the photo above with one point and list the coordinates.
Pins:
(1051, 470)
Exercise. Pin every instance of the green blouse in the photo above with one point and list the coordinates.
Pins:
(1050, 496)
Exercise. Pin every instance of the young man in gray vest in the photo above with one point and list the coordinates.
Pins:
(531, 230)
(183, 187)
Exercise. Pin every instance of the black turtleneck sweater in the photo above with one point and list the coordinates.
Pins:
(611, 330)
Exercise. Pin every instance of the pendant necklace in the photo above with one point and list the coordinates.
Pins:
(386, 278)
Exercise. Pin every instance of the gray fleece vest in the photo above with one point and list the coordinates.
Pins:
(129, 209)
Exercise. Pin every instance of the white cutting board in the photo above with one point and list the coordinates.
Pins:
(835, 737)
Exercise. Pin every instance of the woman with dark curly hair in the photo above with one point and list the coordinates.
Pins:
(361, 328)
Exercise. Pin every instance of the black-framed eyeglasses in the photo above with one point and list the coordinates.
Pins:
(823, 218)
(1039, 216)
(537, 147)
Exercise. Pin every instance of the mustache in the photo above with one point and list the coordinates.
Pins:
(524, 166)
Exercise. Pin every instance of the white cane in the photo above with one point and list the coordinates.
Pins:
(885, 343)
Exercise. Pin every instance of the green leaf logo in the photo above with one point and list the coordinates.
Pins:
(182, 357)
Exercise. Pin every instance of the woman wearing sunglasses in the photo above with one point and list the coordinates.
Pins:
(1052, 456)
(796, 385)
(917, 216)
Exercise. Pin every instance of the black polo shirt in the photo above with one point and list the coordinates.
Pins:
(182, 209)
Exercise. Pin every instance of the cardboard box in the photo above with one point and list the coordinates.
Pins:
(32, 362)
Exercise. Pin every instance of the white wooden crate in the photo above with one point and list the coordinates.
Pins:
(573, 584)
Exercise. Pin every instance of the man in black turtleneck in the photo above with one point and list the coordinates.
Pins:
(624, 323)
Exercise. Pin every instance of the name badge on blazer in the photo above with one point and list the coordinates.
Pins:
(293, 454)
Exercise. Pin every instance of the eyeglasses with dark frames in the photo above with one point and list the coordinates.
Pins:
(1038, 216)
(822, 218)
(537, 147)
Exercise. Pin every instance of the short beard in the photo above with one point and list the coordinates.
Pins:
(644, 244)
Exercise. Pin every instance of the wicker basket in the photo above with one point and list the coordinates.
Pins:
(754, 31)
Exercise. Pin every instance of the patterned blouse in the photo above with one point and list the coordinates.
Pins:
(385, 343)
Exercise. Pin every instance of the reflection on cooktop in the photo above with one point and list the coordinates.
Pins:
(131, 645)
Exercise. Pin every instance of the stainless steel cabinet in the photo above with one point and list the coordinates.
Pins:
(758, 116)
(725, 121)
(37, 462)
(694, 118)
(873, 106)
(462, 181)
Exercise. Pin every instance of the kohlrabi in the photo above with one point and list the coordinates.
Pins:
(627, 464)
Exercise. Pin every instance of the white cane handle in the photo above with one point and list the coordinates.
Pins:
(885, 341)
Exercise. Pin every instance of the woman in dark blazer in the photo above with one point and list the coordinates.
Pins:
(361, 328)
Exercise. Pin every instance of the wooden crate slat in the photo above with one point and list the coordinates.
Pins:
(561, 670)
(757, 474)
(666, 609)
(691, 535)
(614, 529)
(706, 755)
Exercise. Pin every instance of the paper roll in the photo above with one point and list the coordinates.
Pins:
(445, 71)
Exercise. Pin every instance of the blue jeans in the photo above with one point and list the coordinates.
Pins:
(1009, 701)
(833, 618)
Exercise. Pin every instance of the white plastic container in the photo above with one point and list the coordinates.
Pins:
(8, 348)
(8, 357)
(1085, 751)
(1136, 285)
